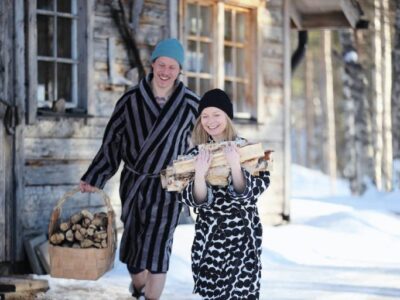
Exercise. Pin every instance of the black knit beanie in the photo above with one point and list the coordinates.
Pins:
(216, 98)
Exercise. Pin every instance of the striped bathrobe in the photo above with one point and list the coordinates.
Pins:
(146, 138)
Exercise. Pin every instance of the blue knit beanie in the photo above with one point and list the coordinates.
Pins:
(171, 48)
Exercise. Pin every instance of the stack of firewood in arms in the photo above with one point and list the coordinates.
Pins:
(252, 158)
(82, 230)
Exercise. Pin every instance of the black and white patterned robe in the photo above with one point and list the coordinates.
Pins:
(146, 138)
(227, 246)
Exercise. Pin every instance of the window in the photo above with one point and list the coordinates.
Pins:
(58, 56)
(57, 52)
(199, 36)
(220, 51)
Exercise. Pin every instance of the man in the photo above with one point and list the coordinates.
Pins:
(149, 128)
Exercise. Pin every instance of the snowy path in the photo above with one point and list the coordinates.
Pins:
(338, 247)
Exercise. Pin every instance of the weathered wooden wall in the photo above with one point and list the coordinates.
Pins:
(270, 130)
(12, 94)
(58, 151)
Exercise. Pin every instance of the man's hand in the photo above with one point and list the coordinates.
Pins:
(86, 187)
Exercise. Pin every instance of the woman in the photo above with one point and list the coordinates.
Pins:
(226, 251)
(149, 128)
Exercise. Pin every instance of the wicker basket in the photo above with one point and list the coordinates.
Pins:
(88, 263)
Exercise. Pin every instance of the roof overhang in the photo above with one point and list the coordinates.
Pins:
(319, 14)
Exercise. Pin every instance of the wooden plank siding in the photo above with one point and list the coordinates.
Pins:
(12, 93)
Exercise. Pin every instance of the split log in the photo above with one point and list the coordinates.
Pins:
(82, 230)
(252, 158)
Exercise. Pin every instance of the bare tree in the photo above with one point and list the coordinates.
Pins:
(309, 110)
(357, 132)
(396, 84)
(328, 108)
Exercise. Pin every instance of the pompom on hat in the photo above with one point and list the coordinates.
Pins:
(217, 98)
(171, 48)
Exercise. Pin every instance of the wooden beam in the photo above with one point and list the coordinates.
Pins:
(22, 284)
(19, 101)
(351, 12)
(31, 65)
(295, 16)
(327, 20)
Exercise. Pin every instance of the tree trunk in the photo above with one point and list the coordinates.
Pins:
(387, 157)
(396, 88)
(396, 85)
(357, 130)
(328, 108)
(309, 111)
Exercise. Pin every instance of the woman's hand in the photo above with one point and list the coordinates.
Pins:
(232, 155)
(86, 187)
(203, 163)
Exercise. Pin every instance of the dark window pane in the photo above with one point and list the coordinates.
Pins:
(240, 63)
(64, 82)
(229, 90)
(64, 37)
(228, 25)
(191, 57)
(204, 85)
(192, 83)
(64, 6)
(191, 21)
(45, 33)
(45, 88)
(240, 27)
(45, 4)
(205, 59)
(228, 57)
(205, 21)
(241, 98)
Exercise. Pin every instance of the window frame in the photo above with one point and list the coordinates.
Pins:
(253, 8)
(84, 59)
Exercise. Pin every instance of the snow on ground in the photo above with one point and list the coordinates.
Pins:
(336, 247)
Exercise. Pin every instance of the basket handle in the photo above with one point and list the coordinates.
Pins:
(67, 195)
(57, 209)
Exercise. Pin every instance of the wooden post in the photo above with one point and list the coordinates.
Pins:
(286, 96)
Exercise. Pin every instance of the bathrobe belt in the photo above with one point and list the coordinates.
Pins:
(146, 175)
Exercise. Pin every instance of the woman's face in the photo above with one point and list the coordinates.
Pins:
(214, 122)
(166, 71)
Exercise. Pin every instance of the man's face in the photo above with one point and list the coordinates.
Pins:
(166, 71)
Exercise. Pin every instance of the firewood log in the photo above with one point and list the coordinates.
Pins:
(86, 243)
(79, 236)
(69, 235)
(252, 158)
(87, 214)
(218, 157)
(64, 226)
(76, 218)
(86, 222)
(82, 230)
(57, 238)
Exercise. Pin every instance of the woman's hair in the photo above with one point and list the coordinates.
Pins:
(200, 136)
